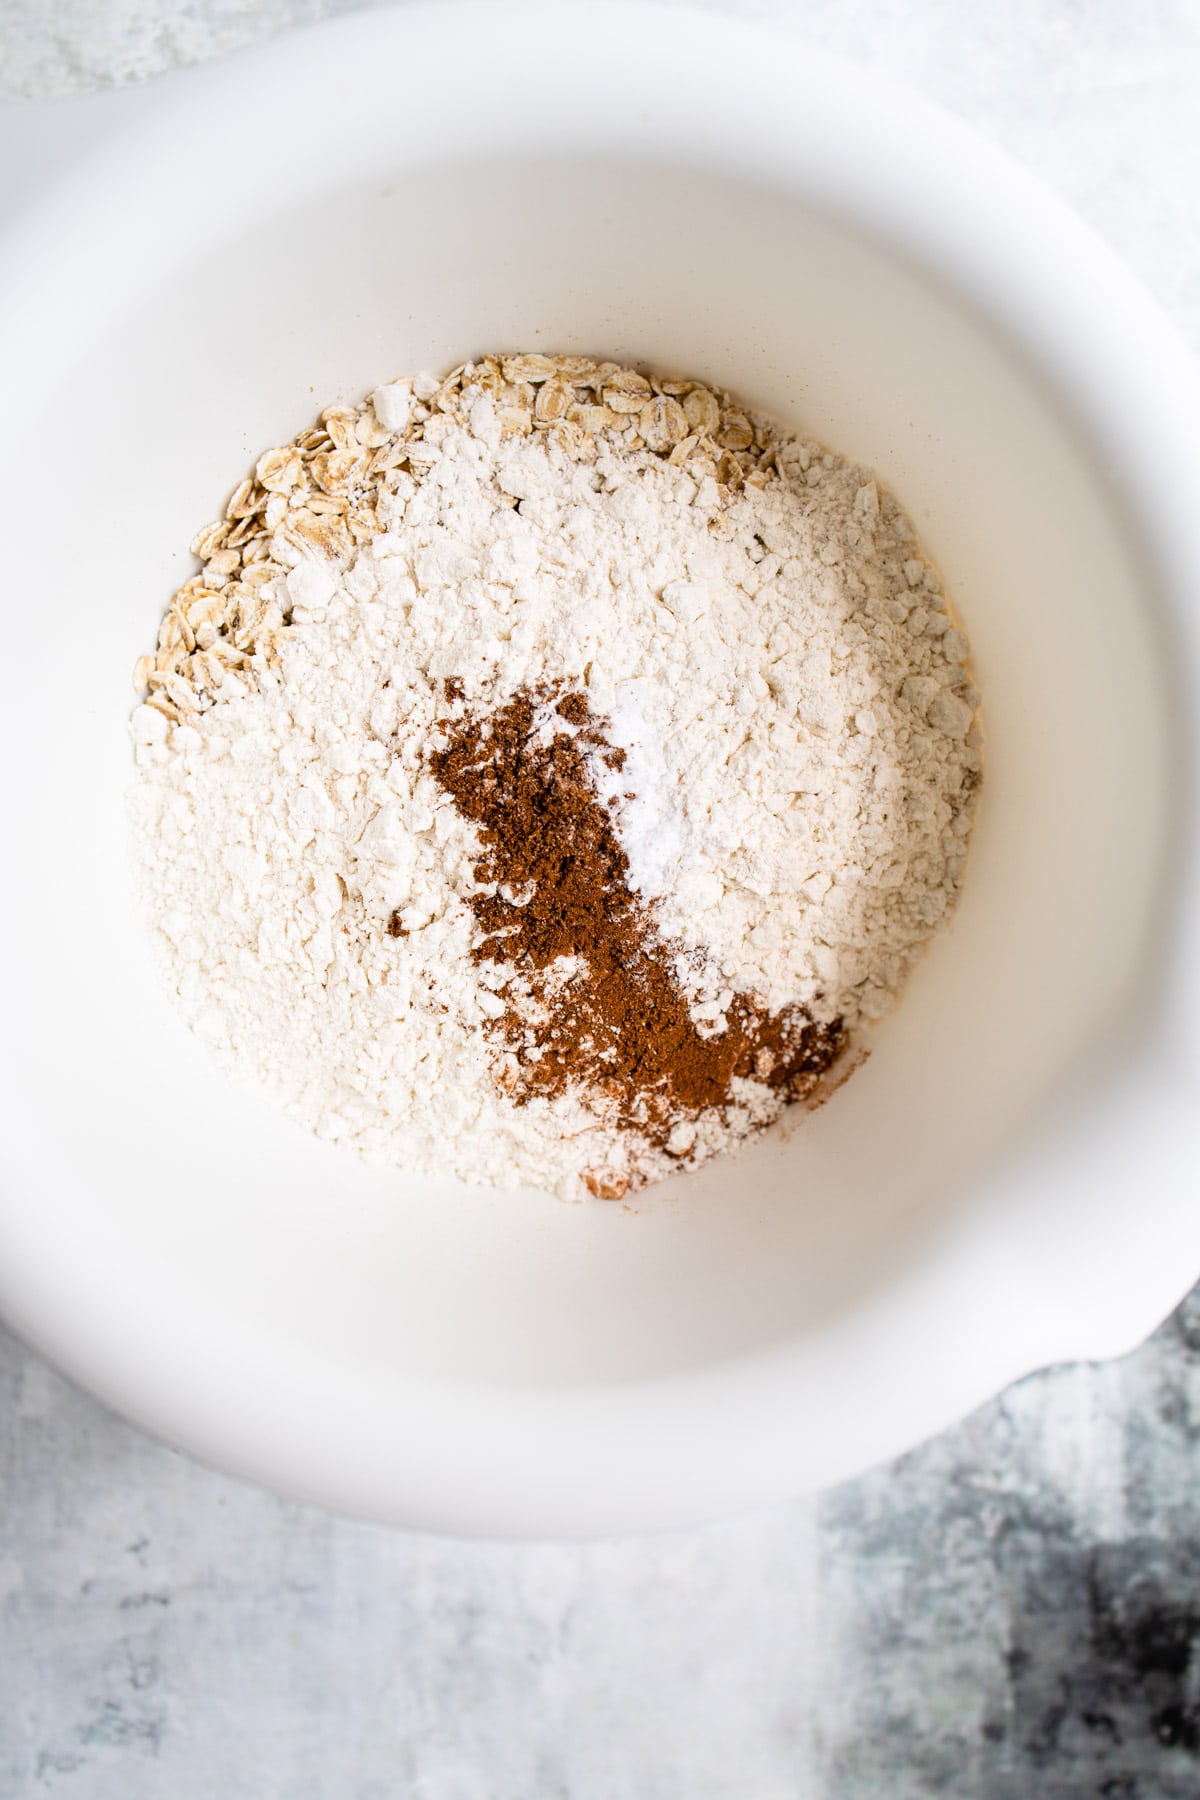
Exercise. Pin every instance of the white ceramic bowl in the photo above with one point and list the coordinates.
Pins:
(1011, 1179)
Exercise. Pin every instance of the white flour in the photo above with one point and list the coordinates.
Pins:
(780, 668)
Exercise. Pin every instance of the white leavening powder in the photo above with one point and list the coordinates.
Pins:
(771, 650)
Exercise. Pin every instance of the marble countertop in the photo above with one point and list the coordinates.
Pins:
(1011, 1612)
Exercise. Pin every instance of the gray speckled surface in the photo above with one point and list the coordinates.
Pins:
(1010, 1613)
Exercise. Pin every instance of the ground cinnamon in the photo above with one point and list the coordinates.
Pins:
(554, 883)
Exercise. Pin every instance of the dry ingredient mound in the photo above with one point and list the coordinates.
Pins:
(551, 773)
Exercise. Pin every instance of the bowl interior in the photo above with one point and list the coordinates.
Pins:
(200, 364)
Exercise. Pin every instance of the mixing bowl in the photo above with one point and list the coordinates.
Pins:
(1011, 1177)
